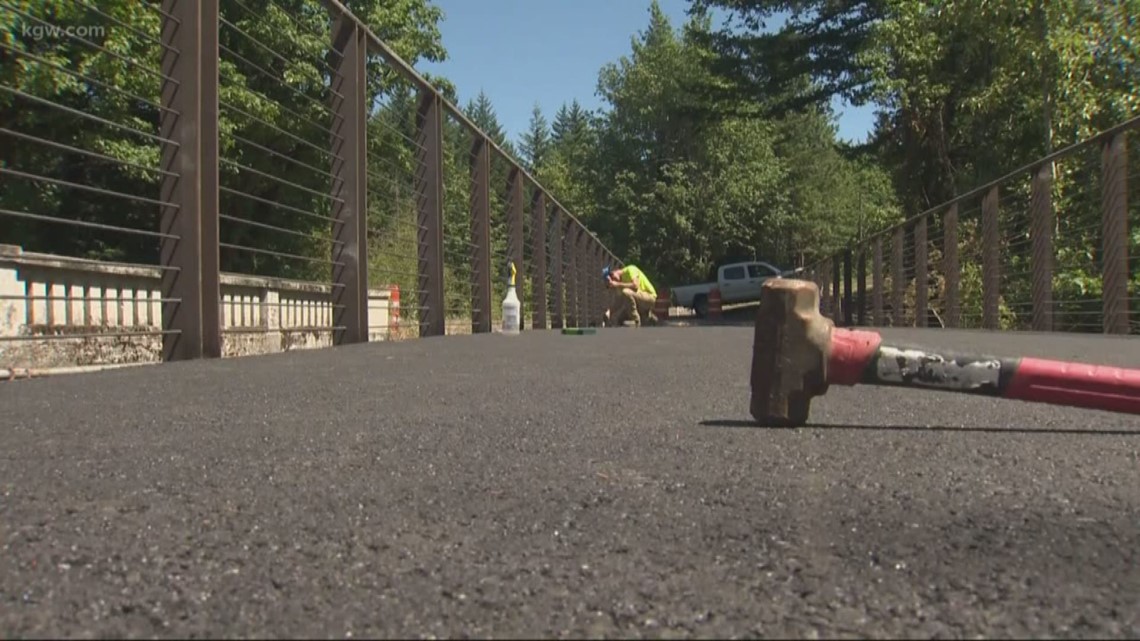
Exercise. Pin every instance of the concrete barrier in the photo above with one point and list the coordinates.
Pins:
(44, 298)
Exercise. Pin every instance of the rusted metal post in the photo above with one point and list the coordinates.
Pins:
(584, 281)
(607, 259)
(878, 319)
(571, 274)
(848, 315)
(579, 270)
(991, 279)
(594, 282)
(898, 283)
(600, 287)
(825, 288)
(429, 202)
(837, 310)
(827, 300)
(480, 235)
(1041, 232)
(516, 235)
(1114, 214)
(350, 182)
(590, 279)
(920, 273)
(836, 298)
(558, 315)
(538, 258)
(861, 287)
(589, 284)
(835, 284)
(191, 278)
(950, 269)
(574, 234)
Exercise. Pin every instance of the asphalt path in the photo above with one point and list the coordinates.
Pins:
(559, 486)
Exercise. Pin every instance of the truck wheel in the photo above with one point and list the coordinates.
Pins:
(701, 305)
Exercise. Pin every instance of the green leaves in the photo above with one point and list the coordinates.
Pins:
(274, 119)
(681, 182)
(536, 141)
(969, 89)
(482, 113)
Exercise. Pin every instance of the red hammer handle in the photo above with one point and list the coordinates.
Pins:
(859, 357)
(1077, 384)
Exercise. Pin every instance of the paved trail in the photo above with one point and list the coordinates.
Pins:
(487, 486)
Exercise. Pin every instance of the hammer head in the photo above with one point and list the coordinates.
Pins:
(789, 352)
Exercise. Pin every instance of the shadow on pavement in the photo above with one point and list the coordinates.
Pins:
(915, 428)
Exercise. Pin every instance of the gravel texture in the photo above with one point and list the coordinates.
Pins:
(559, 486)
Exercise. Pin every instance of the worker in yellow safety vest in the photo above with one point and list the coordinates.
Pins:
(633, 295)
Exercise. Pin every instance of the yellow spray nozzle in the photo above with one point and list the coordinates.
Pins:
(512, 263)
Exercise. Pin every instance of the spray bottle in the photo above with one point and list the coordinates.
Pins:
(511, 307)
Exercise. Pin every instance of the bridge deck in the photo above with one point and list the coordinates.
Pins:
(558, 485)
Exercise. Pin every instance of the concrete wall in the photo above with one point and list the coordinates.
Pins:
(44, 298)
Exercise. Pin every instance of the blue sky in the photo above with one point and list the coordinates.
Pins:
(520, 52)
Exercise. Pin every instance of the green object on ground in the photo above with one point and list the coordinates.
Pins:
(579, 331)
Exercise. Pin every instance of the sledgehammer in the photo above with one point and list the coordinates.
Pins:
(797, 354)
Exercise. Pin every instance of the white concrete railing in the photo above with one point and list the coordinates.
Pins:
(102, 302)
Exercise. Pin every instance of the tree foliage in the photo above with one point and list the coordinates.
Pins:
(535, 144)
(712, 142)
(661, 176)
(274, 118)
(677, 182)
(966, 92)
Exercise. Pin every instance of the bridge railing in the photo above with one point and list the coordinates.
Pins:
(265, 138)
(1052, 246)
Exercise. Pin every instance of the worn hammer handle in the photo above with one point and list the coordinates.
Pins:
(1114, 389)
(859, 357)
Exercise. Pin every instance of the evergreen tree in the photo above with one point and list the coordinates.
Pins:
(482, 113)
(536, 142)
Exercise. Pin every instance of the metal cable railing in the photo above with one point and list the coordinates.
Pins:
(1052, 246)
(302, 187)
(82, 173)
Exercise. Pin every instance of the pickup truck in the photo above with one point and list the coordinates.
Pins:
(738, 283)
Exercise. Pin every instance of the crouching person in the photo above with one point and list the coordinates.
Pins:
(633, 296)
